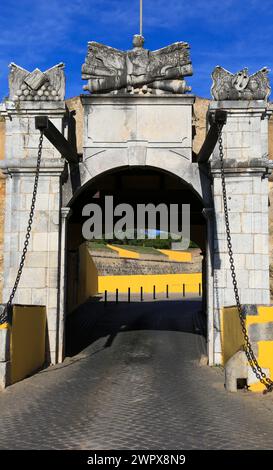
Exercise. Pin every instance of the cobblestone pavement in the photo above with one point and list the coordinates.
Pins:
(138, 385)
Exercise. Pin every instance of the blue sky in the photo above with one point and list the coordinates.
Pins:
(231, 33)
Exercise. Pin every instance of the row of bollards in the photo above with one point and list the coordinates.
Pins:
(154, 293)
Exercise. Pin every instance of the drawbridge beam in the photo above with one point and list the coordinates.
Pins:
(219, 118)
(55, 137)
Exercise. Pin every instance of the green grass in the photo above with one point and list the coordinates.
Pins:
(96, 246)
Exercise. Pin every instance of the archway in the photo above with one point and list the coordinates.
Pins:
(133, 185)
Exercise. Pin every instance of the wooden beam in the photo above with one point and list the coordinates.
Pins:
(54, 136)
(211, 139)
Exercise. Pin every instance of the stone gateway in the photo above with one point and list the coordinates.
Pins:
(137, 119)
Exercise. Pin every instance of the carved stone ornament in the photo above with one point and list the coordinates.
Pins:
(138, 71)
(37, 85)
(240, 86)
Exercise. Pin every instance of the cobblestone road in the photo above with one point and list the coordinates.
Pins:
(137, 386)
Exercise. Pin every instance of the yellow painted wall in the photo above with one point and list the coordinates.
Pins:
(124, 253)
(28, 333)
(232, 338)
(231, 333)
(180, 256)
(88, 275)
(135, 282)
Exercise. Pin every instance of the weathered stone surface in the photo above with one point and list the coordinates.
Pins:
(37, 85)
(236, 368)
(113, 265)
(138, 71)
(5, 370)
(240, 86)
(4, 344)
(200, 109)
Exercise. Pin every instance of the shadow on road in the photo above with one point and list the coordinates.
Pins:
(94, 320)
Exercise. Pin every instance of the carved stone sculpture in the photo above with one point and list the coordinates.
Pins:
(37, 85)
(110, 70)
(240, 86)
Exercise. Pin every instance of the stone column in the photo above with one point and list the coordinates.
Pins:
(245, 141)
(65, 213)
(33, 94)
(209, 215)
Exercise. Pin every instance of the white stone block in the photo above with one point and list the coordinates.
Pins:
(261, 244)
(53, 259)
(247, 296)
(41, 221)
(52, 321)
(242, 243)
(53, 241)
(229, 298)
(5, 369)
(37, 259)
(23, 295)
(256, 279)
(52, 334)
(240, 187)
(42, 203)
(39, 297)
(40, 242)
(4, 344)
(260, 223)
(54, 202)
(236, 203)
(234, 154)
(265, 203)
(52, 277)
(242, 278)
(257, 261)
(247, 223)
(52, 300)
(22, 237)
(253, 203)
(33, 277)
(218, 204)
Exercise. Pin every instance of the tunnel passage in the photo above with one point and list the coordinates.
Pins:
(137, 185)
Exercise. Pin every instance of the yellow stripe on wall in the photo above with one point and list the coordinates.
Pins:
(124, 253)
(232, 339)
(180, 256)
(135, 282)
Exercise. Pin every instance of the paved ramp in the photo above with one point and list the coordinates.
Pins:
(138, 385)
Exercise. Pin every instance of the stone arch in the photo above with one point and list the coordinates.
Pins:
(167, 161)
(190, 175)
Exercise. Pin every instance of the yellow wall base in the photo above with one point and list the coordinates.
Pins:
(232, 338)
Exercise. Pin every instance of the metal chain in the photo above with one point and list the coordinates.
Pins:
(257, 370)
(5, 313)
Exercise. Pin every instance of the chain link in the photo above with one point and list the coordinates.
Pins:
(5, 314)
(251, 357)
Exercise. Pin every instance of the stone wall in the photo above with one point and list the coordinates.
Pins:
(113, 265)
(75, 106)
(200, 112)
(2, 202)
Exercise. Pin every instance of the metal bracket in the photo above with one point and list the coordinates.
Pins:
(219, 117)
(54, 136)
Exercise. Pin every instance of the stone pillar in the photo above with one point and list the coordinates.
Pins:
(65, 212)
(245, 141)
(33, 94)
(209, 215)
